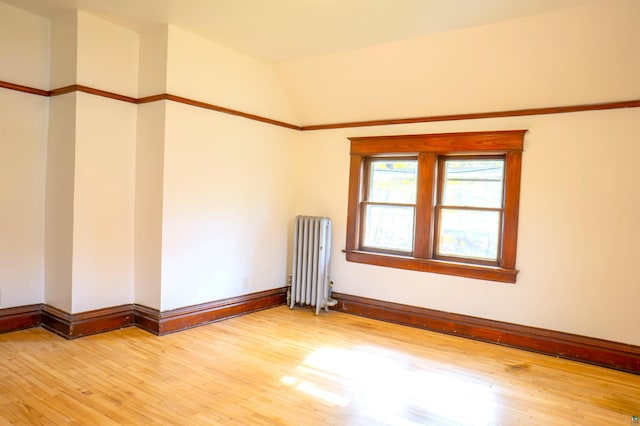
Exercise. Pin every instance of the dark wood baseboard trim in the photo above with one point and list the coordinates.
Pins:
(599, 352)
(20, 317)
(166, 322)
(147, 319)
(635, 103)
(71, 326)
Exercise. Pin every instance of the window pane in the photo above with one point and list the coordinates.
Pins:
(473, 183)
(389, 227)
(469, 233)
(393, 181)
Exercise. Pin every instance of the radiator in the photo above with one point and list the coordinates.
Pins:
(310, 283)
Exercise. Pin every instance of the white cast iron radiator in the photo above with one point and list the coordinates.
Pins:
(310, 283)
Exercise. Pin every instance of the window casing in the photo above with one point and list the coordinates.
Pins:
(462, 218)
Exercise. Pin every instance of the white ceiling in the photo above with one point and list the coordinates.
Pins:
(280, 30)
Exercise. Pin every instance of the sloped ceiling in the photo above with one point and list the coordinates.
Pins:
(282, 30)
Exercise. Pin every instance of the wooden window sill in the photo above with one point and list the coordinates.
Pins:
(481, 272)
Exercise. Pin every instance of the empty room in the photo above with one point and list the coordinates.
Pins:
(309, 212)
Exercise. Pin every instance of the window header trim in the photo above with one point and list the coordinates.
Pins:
(441, 143)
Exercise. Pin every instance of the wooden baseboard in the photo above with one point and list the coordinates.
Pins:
(71, 326)
(20, 317)
(147, 319)
(600, 352)
(166, 322)
(152, 320)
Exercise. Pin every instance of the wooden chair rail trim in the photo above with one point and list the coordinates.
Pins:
(24, 89)
(217, 108)
(604, 353)
(383, 122)
(480, 115)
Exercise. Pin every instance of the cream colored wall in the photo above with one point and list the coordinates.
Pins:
(579, 55)
(203, 202)
(103, 209)
(152, 63)
(24, 58)
(23, 126)
(578, 218)
(64, 50)
(89, 249)
(226, 206)
(226, 183)
(24, 47)
(205, 71)
(60, 165)
(107, 56)
(578, 231)
(152, 80)
(148, 203)
(60, 171)
(103, 226)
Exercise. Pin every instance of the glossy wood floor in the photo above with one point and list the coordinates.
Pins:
(291, 367)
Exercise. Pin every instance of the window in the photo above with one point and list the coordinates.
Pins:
(443, 203)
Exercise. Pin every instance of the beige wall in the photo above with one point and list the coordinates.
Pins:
(91, 167)
(107, 55)
(23, 126)
(211, 221)
(152, 62)
(579, 55)
(103, 208)
(24, 47)
(578, 231)
(169, 205)
(578, 227)
(64, 51)
(24, 59)
(226, 206)
(202, 70)
(148, 203)
(60, 174)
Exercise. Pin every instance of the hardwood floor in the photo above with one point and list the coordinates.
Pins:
(291, 367)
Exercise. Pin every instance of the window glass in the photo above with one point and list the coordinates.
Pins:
(389, 227)
(393, 181)
(469, 233)
(473, 182)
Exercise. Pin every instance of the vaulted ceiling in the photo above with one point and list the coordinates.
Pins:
(281, 30)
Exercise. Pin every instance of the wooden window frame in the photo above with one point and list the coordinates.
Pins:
(428, 148)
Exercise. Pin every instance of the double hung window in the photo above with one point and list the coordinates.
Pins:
(444, 203)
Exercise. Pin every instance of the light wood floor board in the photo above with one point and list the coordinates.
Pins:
(293, 368)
